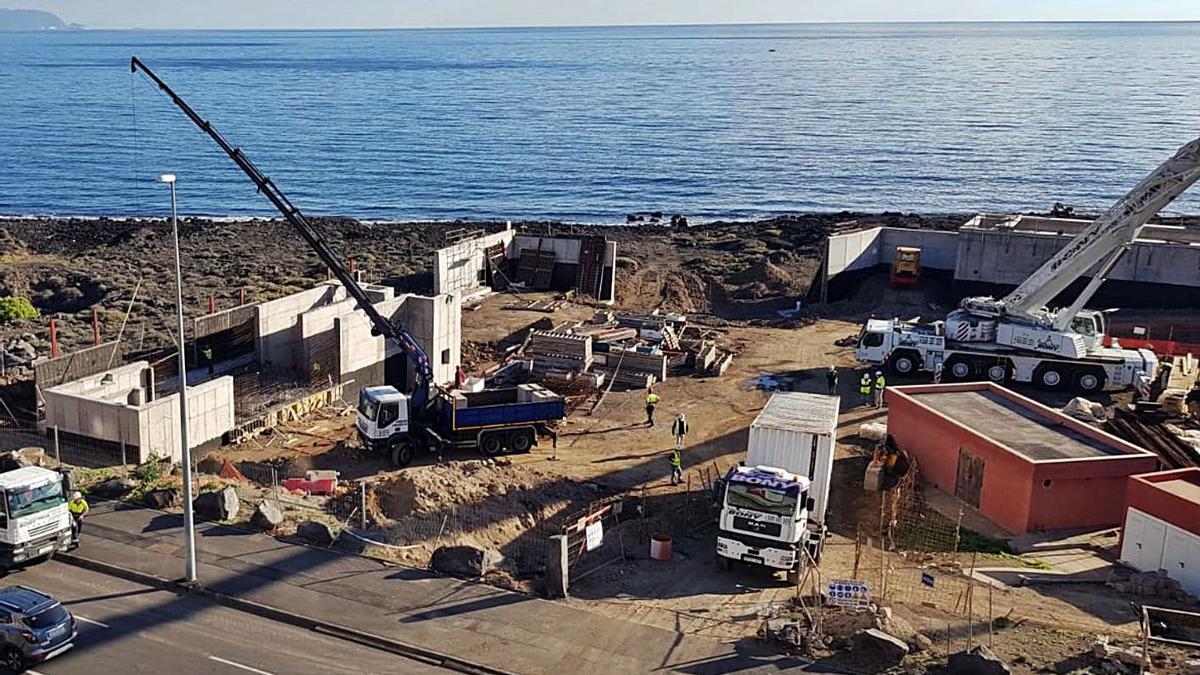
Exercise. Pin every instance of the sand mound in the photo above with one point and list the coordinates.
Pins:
(766, 273)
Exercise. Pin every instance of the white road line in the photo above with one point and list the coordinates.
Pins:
(91, 621)
(235, 664)
(31, 672)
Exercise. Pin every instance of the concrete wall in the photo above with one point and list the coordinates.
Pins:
(1015, 493)
(436, 323)
(1009, 257)
(459, 268)
(280, 344)
(1144, 494)
(210, 415)
(866, 249)
(102, 412)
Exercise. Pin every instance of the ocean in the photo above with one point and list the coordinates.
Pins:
(589, 124)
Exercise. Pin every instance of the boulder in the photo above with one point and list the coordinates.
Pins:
(113, 488)
(978, 660)
(219, 505)
(267, 516)
(17, 459)
(878, 649)
(163, 498)
(315, 532)
(465, 561)
(1191, 667)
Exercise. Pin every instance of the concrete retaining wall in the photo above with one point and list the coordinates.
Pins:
(279, 338)
(866, 249)
(459, 268)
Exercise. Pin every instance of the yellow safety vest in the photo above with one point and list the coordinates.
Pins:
(652, 399)
(79, 508)
(864, 385)
(880, 383)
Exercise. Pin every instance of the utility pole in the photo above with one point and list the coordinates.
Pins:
(189, 523)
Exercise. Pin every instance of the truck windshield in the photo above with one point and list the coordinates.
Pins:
(367, 407)
(758, 498)
(31, 500)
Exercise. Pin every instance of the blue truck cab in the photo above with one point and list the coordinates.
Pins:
(494, 421)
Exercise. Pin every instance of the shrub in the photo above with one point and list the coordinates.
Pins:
(17, 310)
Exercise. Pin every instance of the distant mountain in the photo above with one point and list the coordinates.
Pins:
(32, 19)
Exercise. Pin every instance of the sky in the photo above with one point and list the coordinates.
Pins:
(184, 14)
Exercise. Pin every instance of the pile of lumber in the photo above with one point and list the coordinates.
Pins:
(1155, 437)
(608, 334)
(556, 351)
(634, 362)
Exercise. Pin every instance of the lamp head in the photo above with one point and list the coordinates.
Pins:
(167, 178)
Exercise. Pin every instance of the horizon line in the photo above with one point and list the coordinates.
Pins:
(84, 28)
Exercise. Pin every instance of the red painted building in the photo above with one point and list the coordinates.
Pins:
(1162, 525)
(1024, 466)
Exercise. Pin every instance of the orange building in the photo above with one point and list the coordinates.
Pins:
(1024, 466)
(1162, 525)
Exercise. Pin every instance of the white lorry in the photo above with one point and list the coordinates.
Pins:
(1018, 337)
(34, 522)
(773, 506)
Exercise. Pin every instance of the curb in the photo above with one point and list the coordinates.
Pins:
(363, 638)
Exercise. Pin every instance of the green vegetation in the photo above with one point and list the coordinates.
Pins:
(970, 541)
(17, 310)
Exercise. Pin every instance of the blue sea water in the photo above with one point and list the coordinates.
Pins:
(588, 124)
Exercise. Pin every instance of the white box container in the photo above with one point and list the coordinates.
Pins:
(797, 432)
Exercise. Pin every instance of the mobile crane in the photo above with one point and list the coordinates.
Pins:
(429, 417)
(1018, 338)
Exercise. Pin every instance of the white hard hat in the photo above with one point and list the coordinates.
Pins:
(879, 372)
(76, 495)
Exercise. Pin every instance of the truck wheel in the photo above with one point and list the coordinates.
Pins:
(1088, 381)
(520, 441)
(903, 363)
(1050, 376)
(998, 372)
(958, 370)
(491, 445)
(402, 454)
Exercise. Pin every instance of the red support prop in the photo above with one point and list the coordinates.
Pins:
(353, 266)
(242, 297)
(95, 327)
(53, 339)
(212, 305)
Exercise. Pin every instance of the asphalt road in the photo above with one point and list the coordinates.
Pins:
(129, 628)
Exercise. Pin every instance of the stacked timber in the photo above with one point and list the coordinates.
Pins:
(611, 335)
(1155, 437)
(556, 351)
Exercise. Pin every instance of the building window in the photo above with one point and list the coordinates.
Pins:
(445, 357)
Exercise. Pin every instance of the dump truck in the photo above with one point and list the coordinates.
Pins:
(494, 421)
(36, 522)
(773, 505)
(906, 268)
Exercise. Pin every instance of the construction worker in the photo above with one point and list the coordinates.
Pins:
(208, 357)
(880, 383)
(864, 387)
(652, 400)
(679, 429)
(78, 507)
(831, 379)
(676, 467)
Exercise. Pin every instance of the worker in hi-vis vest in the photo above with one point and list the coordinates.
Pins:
(864, 388)
(880, 384)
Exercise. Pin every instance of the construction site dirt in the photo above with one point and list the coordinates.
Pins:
(731, 278)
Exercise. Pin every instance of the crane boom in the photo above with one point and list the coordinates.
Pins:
(1103, 241)
(379, 324)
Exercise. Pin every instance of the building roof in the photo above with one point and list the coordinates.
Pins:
(798, 411)
(1039, 435)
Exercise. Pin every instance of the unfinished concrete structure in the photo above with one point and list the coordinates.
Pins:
(585, 264)
(1162, 525)
(1026, 467)
(990, 254)
(119, 407)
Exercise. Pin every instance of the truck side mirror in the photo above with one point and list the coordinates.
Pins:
(810, 504)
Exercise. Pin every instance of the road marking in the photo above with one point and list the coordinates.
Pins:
(31, 672)
(235, 664)
(91, 621)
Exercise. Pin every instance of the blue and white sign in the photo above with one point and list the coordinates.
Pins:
(848, 593)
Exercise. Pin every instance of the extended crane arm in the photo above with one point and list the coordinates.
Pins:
(379, 324)
(1103, 240)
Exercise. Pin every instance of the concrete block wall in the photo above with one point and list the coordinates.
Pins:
(459, 267)
(279, 339)
(565, 250)
(866, 249)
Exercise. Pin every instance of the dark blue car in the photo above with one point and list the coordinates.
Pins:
(34, 626)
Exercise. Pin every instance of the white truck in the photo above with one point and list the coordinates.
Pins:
(1018, 337)
(773, 506)
(34, 522)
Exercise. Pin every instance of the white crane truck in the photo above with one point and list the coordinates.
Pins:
(773, 506)
(1018, 338)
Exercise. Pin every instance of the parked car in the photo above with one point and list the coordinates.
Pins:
(34, 626)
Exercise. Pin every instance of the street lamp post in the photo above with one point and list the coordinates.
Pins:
(189, 523)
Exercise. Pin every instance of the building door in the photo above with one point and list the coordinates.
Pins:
(1144, 540)
(969, 483)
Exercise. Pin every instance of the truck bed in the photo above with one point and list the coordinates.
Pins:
(501, 408)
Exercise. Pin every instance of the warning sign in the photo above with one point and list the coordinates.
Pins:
(848, 593)
(595, 535)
